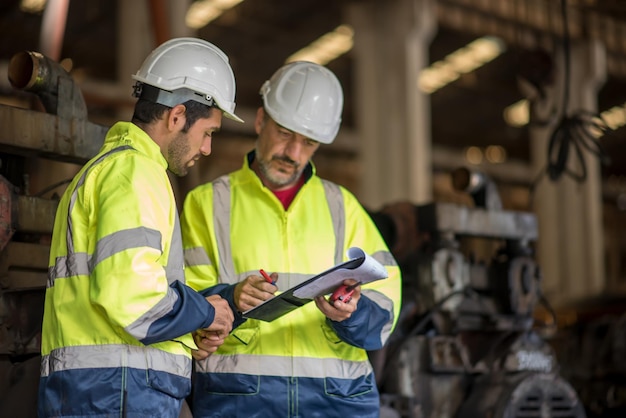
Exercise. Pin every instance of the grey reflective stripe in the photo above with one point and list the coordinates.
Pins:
(384, 303)
(69, 240)
(196, 256)
(221, 222)
(115, 355)
(124, 240)
(175, 259)
(139, 328)
(74, 265)
(81, 264)
(287, 279)
(284, 366)
(385, 258)
(334, 197)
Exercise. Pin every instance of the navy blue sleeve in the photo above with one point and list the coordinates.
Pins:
(190, 312)
(364, 327)
(227, 291)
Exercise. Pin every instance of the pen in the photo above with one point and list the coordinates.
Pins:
(343, 293)
(266, 277)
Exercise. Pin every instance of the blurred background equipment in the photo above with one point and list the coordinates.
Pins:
(468, 344)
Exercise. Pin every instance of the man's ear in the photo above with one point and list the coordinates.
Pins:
(176, 118)
(259, 121)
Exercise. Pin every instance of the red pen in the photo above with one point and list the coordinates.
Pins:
(343, 293)
(266, 277)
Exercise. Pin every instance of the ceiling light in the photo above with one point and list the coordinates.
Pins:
(473, 155)
(517, 114)
(615, 117)
(462, 61)
(327, 47)
(201, 12)
(495, 154)
(32, 6)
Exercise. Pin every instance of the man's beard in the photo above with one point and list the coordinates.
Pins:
(177, 152)
(278, 180)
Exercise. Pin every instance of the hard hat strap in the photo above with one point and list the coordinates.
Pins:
(170, 98)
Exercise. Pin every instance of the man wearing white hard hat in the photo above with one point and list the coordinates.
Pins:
(276, 214)
(118, 316)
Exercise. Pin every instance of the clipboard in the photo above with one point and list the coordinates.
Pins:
(361, 267)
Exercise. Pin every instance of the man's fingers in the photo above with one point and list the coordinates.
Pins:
(224, 316)
(199, 354)
(338, 312)
(208, 342)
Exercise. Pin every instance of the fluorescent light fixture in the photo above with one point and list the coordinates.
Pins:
(517, 114)
(473, 155)
(615, 117)
(495, 154)
(462, 61)
(32, 6)
(202, 12)
(327, 47)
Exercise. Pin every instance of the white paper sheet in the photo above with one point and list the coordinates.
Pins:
(368, 271)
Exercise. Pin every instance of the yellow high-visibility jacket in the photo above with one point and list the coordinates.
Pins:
(302, 364)
(117, 315)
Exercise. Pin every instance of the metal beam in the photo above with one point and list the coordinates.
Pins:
(32, 133)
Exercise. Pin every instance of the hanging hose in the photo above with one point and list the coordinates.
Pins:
(575, 132)
(579, 131)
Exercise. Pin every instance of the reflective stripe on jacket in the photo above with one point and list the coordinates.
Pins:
(300, 362)
(116, 306)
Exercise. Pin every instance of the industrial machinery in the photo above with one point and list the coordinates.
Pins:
(466, 345)
(60, 132)
(591, 352)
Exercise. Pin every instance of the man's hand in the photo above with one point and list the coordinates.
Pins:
(209, 339)
(208, 342)
(254, 290)
(339, 310)
(223, 320)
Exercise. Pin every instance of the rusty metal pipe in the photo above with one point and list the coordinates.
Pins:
(53, 28)
(160, 23)
(34, 72)
(482, 189)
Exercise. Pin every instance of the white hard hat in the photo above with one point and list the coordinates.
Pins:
(188, 69)
(306, 98)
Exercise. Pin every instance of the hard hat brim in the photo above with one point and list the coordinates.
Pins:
(232, 116)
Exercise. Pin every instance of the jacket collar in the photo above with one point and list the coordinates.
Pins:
(127, 133)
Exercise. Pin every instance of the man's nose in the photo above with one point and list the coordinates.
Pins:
(205, 148)
(294, 148)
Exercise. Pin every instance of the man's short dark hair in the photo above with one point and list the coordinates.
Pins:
(147, 112)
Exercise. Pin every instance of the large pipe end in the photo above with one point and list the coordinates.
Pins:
(55, 87)
(482, 189)
(466, 180)
(24, 68)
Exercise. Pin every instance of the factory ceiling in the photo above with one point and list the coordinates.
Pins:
(259, 35)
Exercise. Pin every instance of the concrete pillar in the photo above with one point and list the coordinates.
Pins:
(135, 40)
(177, 12)
(393, 115)
(137, 37)
(570, 245)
